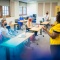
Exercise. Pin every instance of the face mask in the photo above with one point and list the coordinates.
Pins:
(5, 24)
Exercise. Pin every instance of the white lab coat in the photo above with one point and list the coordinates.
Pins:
(46, 17)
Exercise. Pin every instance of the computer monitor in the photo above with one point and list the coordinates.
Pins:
(34, 15)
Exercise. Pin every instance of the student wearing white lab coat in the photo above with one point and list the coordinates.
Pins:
(46, 17)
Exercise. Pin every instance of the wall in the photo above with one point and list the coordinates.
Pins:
(14, 10)
(9, 19)
(8, 3)
(58, 3)
(47, 6)
(4, 2)
(31, 8)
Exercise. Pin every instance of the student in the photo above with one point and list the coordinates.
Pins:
(29, 24)
(46, 18)
(4, 30)
(54, 34)
(20, 23)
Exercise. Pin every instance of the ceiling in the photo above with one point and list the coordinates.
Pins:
(38, 0)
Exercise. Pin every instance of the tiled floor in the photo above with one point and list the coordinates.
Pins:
(38, 50)
(41, 48)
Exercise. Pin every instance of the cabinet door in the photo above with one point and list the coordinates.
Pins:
(57, 9)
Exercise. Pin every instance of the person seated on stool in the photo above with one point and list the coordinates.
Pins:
(46, 17)
(20, 23)
(29, 24)
(4, 30)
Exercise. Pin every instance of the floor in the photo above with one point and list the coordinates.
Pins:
(38, 50)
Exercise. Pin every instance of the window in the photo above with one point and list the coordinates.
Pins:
(5, 10)
(22, 10)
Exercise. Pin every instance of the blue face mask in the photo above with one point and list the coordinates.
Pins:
(5, 24)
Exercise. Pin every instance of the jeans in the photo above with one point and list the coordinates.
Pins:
(55, 51)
